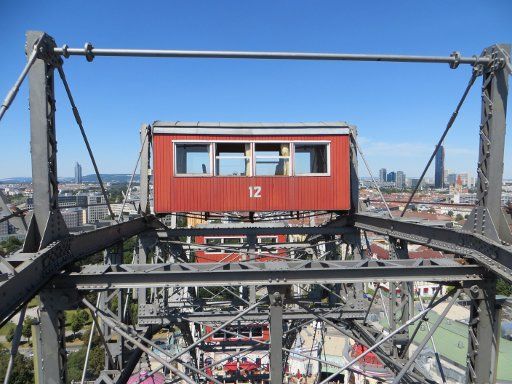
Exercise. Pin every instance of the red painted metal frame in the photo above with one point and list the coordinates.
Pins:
(231, 193)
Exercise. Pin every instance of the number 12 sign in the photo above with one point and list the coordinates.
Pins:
(254, 191)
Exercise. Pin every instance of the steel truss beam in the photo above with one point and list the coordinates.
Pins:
(489, 254)
(351, 311)
(38, 269)
(94, 277)
(487, 217)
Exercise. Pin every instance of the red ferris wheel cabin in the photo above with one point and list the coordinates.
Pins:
(223, 249)
(251, 167)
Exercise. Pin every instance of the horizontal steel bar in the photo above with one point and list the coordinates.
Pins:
(495, 257)
(234, 230)
(38, 269)
(221, 316)
(268, 55)
(265, 273)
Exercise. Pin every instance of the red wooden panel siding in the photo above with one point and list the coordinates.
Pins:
(231, 193)
(231, 256)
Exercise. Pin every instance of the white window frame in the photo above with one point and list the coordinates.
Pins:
(327, 144)
(290, 157)
(210, 148)
(252, 159)
(215, 157)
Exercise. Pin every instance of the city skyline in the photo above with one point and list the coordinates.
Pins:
(442, 176)
(235, 90)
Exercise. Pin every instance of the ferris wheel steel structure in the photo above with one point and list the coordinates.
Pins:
(162, 281)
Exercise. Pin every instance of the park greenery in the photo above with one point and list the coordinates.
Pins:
(26, 330)
(503, 288)
(10, 245)
(23, 368)
(78, 320)
(75, 362)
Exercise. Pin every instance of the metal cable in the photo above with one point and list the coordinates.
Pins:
(424, 342)
(89, 343)
(312, 346)
(474, 75)
(15, 342)
(111, 323)
(417, 328)
(82, 131)
(436, 353)
(387, 337)
(128, 189)
(371, 175)
(11, 95)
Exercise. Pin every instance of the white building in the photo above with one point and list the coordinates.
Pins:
(129, 208)
(96, 208)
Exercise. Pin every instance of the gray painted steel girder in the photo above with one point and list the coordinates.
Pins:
(345, 312)
(493, 256)
(266, 273)
(39, 268)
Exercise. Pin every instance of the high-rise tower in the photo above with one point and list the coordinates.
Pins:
(439, 171)
(78, 173)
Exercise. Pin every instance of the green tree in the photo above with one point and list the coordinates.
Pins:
(77, 321)
(26, 331)
(23, 368)
(459, 217)
(12, 244)
(134, 313)
(10, 334)
(75, 363)
(503, 288)
(450, 213)
(128, 247)
(113, 304)
(84, 315)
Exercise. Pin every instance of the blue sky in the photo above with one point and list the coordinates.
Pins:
(400, 109)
